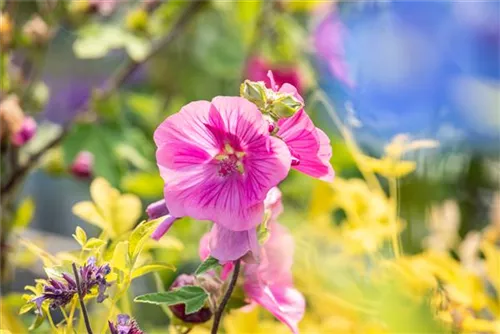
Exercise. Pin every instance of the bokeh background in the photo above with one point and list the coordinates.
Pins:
(427, 69)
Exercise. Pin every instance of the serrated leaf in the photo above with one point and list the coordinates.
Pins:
(94, 243)
(148, 268)
(139, 236)
(208, 264)
(193, 297)
(80, 236)
(24, 213)
(119, 259)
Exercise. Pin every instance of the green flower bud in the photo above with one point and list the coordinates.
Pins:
(255, 92)
(285, 106)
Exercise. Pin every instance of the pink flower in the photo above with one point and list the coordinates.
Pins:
(104, 7)
(257, 69)
(270, 284)
(328, 42)
(83, 165)
(310, 146)
(25, 132)
(218, 162)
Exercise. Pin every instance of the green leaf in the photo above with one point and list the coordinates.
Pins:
(193, 297)
(80, 236)
(143, 184)
(24, 213)
(139, 236)
(153, 267)
(208, 264)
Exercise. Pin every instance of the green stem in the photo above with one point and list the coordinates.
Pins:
(225, 299)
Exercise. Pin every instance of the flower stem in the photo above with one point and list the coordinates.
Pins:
(80, 297)
(227, 295)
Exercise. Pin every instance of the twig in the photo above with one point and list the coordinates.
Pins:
(80, 297)
(227, 295)
(112, 84)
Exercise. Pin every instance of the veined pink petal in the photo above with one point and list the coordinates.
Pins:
(163, 228)
(308, 144)
(284, 302)
(218, 162)
(226, 245)
(204, 253)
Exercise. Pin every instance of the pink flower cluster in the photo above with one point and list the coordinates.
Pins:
(221, 161)
(267, 276)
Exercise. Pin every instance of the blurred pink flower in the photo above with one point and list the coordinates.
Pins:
(83, 164)
(269, 283)
(25, 132)
(257, 69)
(328, 42)
(218, 162)
(103, 7)
(310, 146)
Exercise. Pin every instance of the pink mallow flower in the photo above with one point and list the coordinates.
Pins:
(25, 132)
(268, 282)
(257, 69)
(310, 146)
(218, 162)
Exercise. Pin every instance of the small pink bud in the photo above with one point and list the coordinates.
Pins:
(82, 165)
(25, 132)
(271, 127)
(203, 315)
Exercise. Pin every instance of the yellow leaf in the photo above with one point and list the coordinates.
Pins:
(48, 259)
(80, 236)
(88, 212)
(120, 255)
(114, 213)
(148, 268)
(103, 196)
(139, 236)
(24, 213)
(127, 211)
(94, 243)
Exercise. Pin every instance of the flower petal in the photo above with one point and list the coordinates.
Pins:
(284, 302)
(226, 245)
(308, 144)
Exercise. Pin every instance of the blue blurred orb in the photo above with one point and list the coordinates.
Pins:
(416, 67)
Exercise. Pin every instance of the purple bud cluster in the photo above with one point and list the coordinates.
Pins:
(61, 291)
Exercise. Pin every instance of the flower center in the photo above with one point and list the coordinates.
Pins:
(229, 161)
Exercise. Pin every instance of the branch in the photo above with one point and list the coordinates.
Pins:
(110, 86)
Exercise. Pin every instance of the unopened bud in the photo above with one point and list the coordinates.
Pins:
(157, 209)
(53, 163)
(6, 31)
(83, 164)
(254, 92)
(202, 315)
(285, 106)
(25, 132)
(37, 31)
(103, 7)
